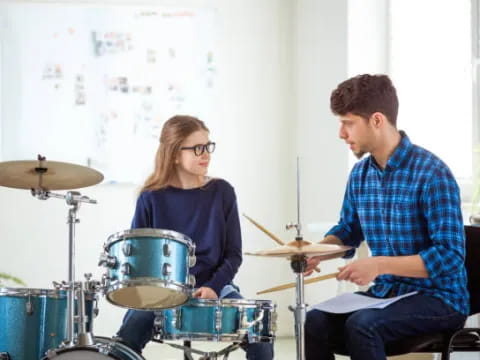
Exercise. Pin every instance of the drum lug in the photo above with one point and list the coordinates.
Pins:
(167, 269)
(107, 261)
(177, 318)
(273, 322)
(166, 250)
(127, 249)
(218, 318)
(125, 269)
(192, 260)
(29, 306)
(191, 280)
(158, 323)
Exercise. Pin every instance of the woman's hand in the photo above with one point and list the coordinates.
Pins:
(205, 293)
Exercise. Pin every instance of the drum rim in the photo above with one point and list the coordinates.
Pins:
(253, 303)
(172, 285)
(25, 292)
(148, 232)
(216, 337)
(100, 340)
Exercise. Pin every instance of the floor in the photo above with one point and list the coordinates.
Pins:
(284, 350)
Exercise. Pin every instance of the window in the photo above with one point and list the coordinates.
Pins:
(430, 61)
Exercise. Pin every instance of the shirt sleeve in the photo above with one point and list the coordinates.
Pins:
(142, 217)
(232, 254)
(441, 206)
(348, 229)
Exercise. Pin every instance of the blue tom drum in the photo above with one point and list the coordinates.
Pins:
(232, 320)
(148, 269)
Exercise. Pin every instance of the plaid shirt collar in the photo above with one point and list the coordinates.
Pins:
(400, 153)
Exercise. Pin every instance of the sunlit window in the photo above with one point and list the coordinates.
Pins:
(430, 61)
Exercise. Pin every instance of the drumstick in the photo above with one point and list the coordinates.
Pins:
(276, 239)
(292, 285)
(280, 242)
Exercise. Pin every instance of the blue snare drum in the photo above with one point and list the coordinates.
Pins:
(104, 348)
(218, 320)
(148, 269)
(35, 320)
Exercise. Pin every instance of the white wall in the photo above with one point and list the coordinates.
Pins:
(278, 62)
(320, 64)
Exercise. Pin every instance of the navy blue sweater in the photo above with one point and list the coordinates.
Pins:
(209, 216)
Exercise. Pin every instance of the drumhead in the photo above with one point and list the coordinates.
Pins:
(145, 296)
(148, 233)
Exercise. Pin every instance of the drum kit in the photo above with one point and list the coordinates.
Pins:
(145, 269)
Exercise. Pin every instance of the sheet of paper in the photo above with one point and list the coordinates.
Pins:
(349, 302)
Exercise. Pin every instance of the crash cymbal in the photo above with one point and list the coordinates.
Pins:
(303, 248)
(47, 175)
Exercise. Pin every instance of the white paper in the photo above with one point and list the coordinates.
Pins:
(349, 302)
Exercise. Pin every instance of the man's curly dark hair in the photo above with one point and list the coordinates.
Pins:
(364, 95)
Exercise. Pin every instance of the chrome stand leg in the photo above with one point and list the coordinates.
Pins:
(299, 264)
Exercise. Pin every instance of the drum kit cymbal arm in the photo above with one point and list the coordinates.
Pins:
(71, 197)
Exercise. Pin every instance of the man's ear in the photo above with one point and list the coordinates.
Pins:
(378, 119)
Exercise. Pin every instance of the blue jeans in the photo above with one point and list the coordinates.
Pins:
(363, 334)
(137, 330)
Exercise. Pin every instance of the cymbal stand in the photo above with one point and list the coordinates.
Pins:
(74, 199)
(298, 264)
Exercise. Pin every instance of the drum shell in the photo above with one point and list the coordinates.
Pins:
(148, 258)
(218, 320)
(28, 335)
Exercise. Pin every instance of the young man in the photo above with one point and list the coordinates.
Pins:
(405, 203)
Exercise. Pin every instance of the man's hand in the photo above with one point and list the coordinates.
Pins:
(205, 293)
(360, 272)
(311, 264)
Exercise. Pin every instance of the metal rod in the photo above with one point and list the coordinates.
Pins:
(299, 226)
(72, 219)
(300, 314)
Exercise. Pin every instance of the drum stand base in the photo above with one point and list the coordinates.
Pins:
(211, 355)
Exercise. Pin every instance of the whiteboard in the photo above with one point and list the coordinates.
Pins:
(93, 85)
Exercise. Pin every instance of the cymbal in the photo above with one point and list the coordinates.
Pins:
(303, 248)
(47, 175)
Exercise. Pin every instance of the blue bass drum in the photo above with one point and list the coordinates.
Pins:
(104, 348)
(231, 320)
(148, 269)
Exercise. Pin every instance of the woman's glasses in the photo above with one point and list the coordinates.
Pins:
(199, 149)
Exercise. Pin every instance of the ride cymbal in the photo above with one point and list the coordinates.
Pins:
(47, 175)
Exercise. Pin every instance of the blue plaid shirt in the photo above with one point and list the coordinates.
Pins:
(411, 207)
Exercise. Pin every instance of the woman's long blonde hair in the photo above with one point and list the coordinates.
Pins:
(174, 132)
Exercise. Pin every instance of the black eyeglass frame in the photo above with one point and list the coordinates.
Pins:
(199, 149)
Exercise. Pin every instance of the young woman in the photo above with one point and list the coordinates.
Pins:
(180, 196)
